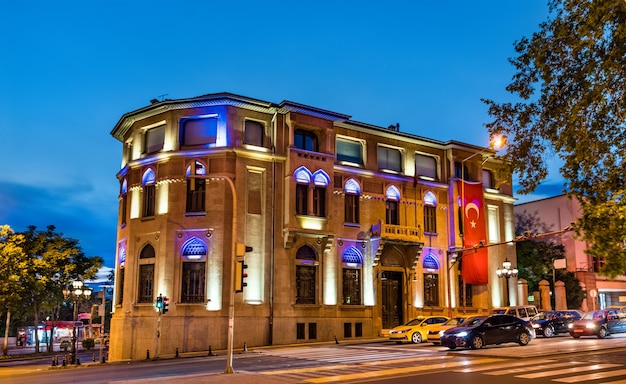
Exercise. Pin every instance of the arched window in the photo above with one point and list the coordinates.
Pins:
(303, 179)
(124, 198)
(352, 191)
(193, 281)
(306, 272)
(196, 187)
(146, 274)
(431, 280)
(430, 263)
(148, 182)
(430, 213)
(392, 202)
(320, 181)
(352, 263)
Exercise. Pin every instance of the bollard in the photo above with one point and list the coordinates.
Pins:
(53, 364)
(245, 347)
(176, 351)
(64, 361)
(336, 341)
(210, 352)
(93, 357)
(77, 361)
(147, 354)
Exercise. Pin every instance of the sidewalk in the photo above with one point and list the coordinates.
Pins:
(239, 377)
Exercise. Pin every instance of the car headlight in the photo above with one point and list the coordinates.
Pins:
(570, 325)
(441, 333)
(590, 325)
(462, 334)
(536, 325)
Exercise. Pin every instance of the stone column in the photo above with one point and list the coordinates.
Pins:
(544, 293)
(522, 292)
(560, 297)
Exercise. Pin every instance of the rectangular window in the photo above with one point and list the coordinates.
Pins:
(305, 140)
(312, 331)
(431, 289)
(493, 220)
(300, 331)
(196, 189)
(461, 171)
(350, 151)
(389, 159)
(149, 200)
(253, 133)
(391, 214)
(488, 180)
(302, 199)
(305, 284)
(352, 209)
(199, 131)
(124, 209)
(120, 281)
(347, 330)
(193, 282)
(430, 219)
(154, 139)
(465, 298)
(426, 166)
(146, 283)
(319, 201)
(351, 286)
(358, 329)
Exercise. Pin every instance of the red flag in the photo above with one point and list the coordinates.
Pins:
(475, 266)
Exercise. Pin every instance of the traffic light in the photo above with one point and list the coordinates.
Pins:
(240, 275)
(166, 304)
(159, 303)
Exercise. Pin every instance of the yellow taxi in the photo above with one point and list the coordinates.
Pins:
(434, 332)
(416, 330)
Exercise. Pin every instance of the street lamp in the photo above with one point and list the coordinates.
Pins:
(77, 293)
(506, 272)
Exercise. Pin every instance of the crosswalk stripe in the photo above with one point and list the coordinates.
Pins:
(615, 382)
(397, 371)
(593, 376)
(567, 370)
(505, 366)
(533, 367)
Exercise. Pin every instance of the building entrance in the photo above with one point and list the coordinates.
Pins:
(392, 299)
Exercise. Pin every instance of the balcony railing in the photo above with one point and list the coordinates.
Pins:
(401, 232)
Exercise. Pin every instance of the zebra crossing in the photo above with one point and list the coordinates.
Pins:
(346, 364)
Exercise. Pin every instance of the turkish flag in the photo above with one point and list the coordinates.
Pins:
(474, 266)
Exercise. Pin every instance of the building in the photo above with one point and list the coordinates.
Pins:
(557, 213)
(354, 228)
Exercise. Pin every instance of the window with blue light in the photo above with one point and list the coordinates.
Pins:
(306, 275)
(392, 211)
(352, 261)
(199, 131)
(430, 262)
(124, 202)
(352, 191)
(193, 281)
(146, 275)
(148, 182)
(430, 213)
(196, 187)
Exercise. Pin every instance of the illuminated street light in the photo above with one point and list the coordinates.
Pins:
(507, 272)
(77, 293)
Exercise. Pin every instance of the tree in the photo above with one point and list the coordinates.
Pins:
(13, 270)
(571, 81)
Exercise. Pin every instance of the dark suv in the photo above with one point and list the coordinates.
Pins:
(551, 323)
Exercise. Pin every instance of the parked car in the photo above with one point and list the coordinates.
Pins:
(551, 323)
(416, 330)
(525, 312)
(479, 331)
(599, 323)
(434, 333)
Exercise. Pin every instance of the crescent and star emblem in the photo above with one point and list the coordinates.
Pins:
(468, 208)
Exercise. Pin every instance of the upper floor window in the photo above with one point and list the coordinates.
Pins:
(430, 263)
(196, 187)
(392, 212)
(148, 182)
(320, 182)
(124, 198)
(352, 191)
(303, 179)
(306, 275)
(389, 159)
(426, 167)
(253, 133)
(461, 171)
(349, 151)
(430, 213)
(305, 194)
(306, 140)
(488, 179)
(154, 139)
(198, 131)
(352, 262)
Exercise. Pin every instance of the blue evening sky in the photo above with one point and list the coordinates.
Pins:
(70, 69)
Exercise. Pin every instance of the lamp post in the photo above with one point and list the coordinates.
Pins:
(77, 293)
(507, 272)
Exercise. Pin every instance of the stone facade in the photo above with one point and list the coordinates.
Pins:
(351, 226)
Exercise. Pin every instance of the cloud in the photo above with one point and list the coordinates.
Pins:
(77, 211)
